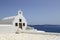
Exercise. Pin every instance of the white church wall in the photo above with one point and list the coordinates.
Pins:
(7, 29)
(16, 20)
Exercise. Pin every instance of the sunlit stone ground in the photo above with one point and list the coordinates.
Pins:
(8, 33)
(26, 36)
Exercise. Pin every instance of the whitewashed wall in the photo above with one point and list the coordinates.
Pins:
(7, 29)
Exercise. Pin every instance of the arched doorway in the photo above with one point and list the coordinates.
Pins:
(20, 25)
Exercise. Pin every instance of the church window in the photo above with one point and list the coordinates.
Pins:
(20, 20)
(20, 12)
(23, 24)
(16, 24)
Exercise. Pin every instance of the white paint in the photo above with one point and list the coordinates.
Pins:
(20, 16)
(8, 18)
(12, 27)
(5, 25)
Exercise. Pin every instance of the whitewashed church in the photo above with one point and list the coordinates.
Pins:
(17, 21)
(14, 23)
(20, 21)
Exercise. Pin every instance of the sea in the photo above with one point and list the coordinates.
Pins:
(47, 28)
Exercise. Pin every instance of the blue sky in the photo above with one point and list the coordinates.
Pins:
(35, 11)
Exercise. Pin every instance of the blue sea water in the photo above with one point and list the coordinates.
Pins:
(47, 28)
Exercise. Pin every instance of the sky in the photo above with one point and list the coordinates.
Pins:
(37, 12)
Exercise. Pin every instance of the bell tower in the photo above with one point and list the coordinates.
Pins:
(20, 12)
